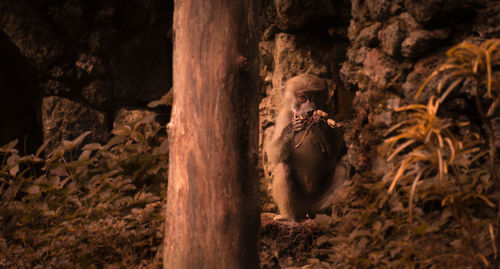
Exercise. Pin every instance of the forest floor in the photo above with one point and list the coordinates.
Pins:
(286, 243)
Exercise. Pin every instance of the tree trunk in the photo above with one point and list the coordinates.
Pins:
(212, 218)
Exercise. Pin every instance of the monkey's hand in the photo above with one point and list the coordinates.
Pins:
(280, 217)
(299, 123)
(320, 115)
(332, 123)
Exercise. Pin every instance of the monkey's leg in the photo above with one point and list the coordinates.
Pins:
(281, 190)
(286, 195)
(331, 193)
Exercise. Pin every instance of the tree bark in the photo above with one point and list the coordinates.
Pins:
(212, 216)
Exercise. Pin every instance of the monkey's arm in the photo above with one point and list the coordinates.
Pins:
(288, 198)
(279, 148)
(281, 190)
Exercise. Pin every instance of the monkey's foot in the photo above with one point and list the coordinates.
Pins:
(282, 218)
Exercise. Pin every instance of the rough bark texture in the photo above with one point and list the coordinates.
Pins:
(212, 210)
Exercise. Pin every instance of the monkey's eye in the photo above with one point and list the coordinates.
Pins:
(301, 97)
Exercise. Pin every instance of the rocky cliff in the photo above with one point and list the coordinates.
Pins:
(76, 65)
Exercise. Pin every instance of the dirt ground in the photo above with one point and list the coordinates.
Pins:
(290, 244)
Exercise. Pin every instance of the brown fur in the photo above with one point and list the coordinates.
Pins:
(304, 161)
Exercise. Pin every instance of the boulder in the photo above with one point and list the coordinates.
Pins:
(64, 119)
(390, 39)
(421, 41)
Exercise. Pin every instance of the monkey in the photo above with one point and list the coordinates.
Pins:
(305, 149)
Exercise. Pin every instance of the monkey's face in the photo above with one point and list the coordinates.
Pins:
(303, 94)
(306, 102)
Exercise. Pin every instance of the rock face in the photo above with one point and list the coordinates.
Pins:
(105, 60)
(390, 39)
(411, 40)
(64, 119)
(300, 38)
(420, 42)
(294, 14)
(379, 68)
(379, 54)
(94, 56)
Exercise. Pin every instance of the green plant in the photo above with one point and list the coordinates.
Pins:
(468, 62)
(100, 208)
(438, 159)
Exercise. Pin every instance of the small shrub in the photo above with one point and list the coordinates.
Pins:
(445, 169)
(90, 206)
